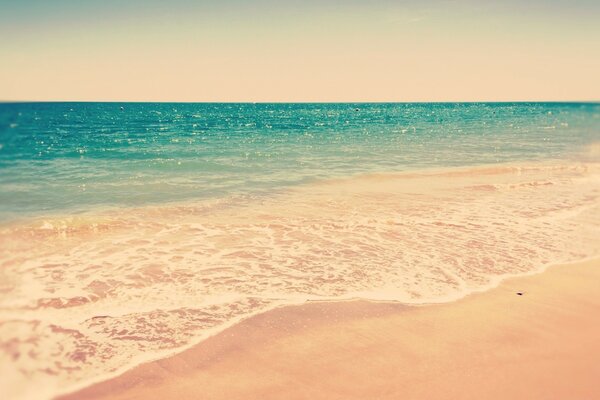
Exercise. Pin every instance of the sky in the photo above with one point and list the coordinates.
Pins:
(286, 51)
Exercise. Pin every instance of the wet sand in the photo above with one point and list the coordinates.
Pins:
(542, 344)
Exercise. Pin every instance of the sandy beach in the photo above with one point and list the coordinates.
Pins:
(533, 337)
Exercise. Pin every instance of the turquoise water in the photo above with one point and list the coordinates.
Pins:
(71, 157)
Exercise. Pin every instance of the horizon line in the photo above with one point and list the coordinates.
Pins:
(300, 102)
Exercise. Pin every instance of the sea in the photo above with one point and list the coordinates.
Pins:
(132, 231)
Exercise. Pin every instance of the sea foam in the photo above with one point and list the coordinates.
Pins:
(89, 296)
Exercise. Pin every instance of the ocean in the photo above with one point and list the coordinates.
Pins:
(73, 157)
(131, 231)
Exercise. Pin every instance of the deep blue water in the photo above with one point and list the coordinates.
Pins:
(73, 157)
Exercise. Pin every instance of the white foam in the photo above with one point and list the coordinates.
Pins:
(92, 296)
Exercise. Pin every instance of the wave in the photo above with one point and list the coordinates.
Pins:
(91, 295)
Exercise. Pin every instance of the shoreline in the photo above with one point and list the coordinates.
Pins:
(494, 284)
(166, 244)
(247, 338)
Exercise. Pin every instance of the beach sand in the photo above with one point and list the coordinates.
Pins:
(543, 344)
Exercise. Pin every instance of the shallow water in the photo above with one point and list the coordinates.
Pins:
(93, 285)
(57, 157)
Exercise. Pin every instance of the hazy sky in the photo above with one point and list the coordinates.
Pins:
(228, 50)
